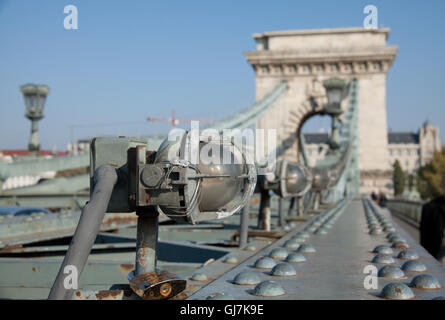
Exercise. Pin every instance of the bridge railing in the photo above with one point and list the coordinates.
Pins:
(409, 211)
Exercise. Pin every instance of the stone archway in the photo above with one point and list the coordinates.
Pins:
(304, 58)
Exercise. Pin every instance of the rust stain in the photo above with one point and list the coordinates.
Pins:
(126, 267)
(78, 294)
(34, 269)
(108, 294)
(142, 252)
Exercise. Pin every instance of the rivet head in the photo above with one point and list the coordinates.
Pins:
(291, 243)
(426, 282)
(408, 255)
(278, 253)
(283, 269)
(231, 260)
(391, 234)
(311, 229)
(303, 234)
(247, 278)
(391, 272)
(383, 259)
(268, 289)
(265, 263)
(306, 248)
(389, 229)
(396, 239)
(400, 245)
(413, 266)
(250, 247)
(198, 276)
(383, 250)
(299, 239)
(375, 231)
(219, 296)
(295, 257)
(321, 231)
(397, 291)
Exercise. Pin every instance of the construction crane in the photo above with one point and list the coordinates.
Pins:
(175, 121)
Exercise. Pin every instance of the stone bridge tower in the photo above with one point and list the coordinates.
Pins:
(307, 57)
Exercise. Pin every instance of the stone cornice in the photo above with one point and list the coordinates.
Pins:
(282, 63)
(320, 31)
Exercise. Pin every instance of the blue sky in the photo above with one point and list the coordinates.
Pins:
(133, 59)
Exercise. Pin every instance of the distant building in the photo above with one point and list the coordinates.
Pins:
(10, 156)
(81, 146)
(411, 149)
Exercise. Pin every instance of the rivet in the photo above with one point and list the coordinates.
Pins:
(400, 245)
(247, 278)
(383, 250)
(231, 260)
(299, 239)
(278, 253)
(283, 269)
(265, 263)
(304, 234)
(397, 291)
(295, 257)
(391, 272)
(250, 247)
(220, 296)
(389, 229)
(396, 238)
(306, 248)
(408, 255)
(199, 277)
(291, 243)
(383, 259)
(375, 231)
(391, 234)
(413, 266)
(321, 231)
(269, 289)
(425, 281)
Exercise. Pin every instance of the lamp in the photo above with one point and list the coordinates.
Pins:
(35, 98)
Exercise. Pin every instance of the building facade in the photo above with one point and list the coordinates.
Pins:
(304, 58)
(411, 149)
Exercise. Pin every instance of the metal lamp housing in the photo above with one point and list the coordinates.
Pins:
(295, 180)
(336, 91)
(291, 179)
(214, 190)
(35, 98)
(321, 179)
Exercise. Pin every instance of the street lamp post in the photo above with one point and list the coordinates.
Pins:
(336, 91)
(35, 97)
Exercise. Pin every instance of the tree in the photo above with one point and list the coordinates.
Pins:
(430, 176)
(398, 178)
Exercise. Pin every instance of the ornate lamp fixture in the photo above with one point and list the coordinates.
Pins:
(35, 98)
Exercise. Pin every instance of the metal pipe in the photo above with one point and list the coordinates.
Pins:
(244, 225)
(300, 207)
(264, 214)
(89, 224)
(146, 241)
(291, 212)
(281, 213)
(316, 200)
